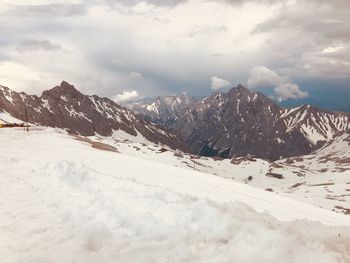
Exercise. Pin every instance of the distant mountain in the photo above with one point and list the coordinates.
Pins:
(163, 110)
(65, 107)
(242, 122)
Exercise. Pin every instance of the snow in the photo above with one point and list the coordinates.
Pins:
(7, 93)
(290, 111)
(38, 110)
(312, 134)
(279, 140)
(63, 201)
(73, 113)
(97, 107)
(158, 130)
(316, 127)
(23, 96)
(300, 175)
(45, 104)
(152, 107)
(5, 117)
(120, 135)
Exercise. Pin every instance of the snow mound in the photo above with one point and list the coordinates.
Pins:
(64, 201)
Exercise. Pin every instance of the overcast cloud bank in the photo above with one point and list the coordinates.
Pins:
(156, 47)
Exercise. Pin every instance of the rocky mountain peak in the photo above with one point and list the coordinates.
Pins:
(239, 91)
(66, 87)
(242, 89)
(63, 91)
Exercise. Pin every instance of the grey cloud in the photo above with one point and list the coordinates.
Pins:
(163, 21)
(241, 2)
(298, 38)
(153, 2)
(3, 57)
(207, 30)
(217, 55)
(332, 19)
(335, 63)
(49, 10)
(162, 2)
(29, 45)
(172, 3)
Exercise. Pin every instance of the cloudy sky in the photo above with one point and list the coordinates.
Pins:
(128, 49)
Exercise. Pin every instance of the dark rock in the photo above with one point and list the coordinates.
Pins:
(275, 175)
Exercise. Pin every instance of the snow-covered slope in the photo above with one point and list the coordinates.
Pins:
(320, 179)
(323, 177)
(62, 200)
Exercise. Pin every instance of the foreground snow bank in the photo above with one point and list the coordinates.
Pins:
(63, 201)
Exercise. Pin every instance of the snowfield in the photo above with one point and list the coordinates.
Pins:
(321, 179)
(62, 200)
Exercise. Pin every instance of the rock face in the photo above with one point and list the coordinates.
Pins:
(243, 122)
(65, 107)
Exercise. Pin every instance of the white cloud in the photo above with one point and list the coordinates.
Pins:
(30, 45)
(15, 76)
(218, 83)
(333, 48)
(126, 96)
(263, 77)
(290, 91)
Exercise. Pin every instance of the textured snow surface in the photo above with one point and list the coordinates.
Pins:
(63, 201)
(315, 179)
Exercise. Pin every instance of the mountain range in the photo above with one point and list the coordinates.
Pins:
(65, 107)
(242, 122)
(239, 122)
